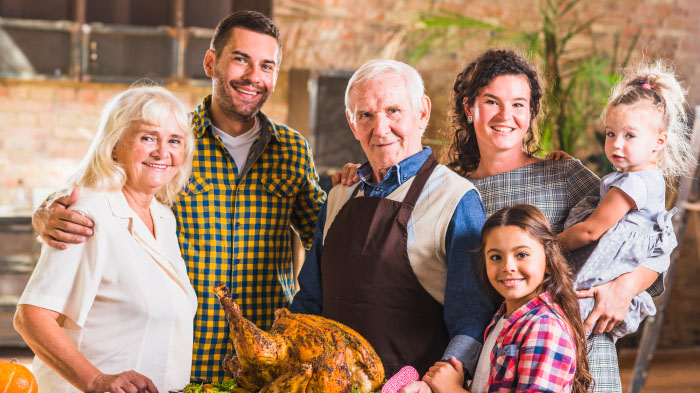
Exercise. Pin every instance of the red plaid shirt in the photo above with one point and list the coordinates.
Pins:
(535, 351)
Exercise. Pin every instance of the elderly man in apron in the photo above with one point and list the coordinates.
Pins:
(393, 256)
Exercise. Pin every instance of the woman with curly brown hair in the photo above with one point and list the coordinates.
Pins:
(495, 106)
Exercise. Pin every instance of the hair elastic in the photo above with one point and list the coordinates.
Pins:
(646, 86)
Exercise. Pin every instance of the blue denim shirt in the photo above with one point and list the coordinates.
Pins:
(467, 309)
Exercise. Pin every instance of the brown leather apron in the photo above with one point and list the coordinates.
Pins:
(369, 285)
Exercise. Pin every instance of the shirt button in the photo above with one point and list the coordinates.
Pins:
(238, 224)
(236, 261)
(235, 296)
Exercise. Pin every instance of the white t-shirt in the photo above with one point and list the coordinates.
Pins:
(126, 295)
(483, 365)
(239, 146)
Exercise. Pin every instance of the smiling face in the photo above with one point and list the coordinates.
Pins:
(633, 137)
(384, 122)
(150, 155)
(244, 73)
(501, 114)
(515, 265)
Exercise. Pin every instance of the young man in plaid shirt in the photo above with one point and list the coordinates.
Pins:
(252, 181)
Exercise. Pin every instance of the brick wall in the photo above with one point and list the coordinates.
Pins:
(343, 34)
(46, 127)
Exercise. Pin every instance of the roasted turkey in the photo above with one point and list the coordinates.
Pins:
(301, 354)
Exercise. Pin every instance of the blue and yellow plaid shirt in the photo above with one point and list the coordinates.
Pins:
(234, 228)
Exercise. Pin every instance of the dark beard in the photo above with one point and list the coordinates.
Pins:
(229, 108)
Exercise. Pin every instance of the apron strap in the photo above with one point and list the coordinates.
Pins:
(419, 181)
(357, 189)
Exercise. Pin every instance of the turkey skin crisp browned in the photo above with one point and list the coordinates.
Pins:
(301, 354)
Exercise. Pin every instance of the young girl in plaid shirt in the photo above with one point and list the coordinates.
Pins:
(536, 341)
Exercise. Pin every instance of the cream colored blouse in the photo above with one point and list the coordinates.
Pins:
(126, 295)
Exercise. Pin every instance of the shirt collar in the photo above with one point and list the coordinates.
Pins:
(542, 299)
(202, 121)
(397, 174)
(120, 207)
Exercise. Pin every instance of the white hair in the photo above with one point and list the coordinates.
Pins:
(99, 172)
(376, 68)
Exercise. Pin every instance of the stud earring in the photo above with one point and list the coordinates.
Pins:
(470, 119)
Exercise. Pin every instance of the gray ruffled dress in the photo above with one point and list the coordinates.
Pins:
(643, 237)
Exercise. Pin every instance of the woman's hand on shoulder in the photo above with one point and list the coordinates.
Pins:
(125, 382)
(348, 175)
(446, 376)
(557, 155)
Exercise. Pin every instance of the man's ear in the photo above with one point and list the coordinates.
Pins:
(425, 112)
(209, 63)
(352, 124)
(274, 80)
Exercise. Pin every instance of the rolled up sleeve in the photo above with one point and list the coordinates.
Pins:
(467, 307)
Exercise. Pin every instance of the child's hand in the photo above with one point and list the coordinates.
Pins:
(416, 387)
(446, 377)
(559, 155)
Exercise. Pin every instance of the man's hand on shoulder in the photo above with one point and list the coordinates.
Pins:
(348, 176)
(58, 226)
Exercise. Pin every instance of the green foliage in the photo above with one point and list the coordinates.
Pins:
(444, 30)
(355, 389)
(578, 79)
(228, 386)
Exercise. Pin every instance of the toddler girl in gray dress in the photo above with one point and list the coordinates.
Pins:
(647, 141)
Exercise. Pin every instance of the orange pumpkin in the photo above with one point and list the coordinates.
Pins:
(15, 378)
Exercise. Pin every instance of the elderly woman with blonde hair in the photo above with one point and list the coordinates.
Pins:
(115, 313)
